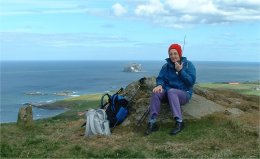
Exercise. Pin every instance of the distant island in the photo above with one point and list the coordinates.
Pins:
(133, 67)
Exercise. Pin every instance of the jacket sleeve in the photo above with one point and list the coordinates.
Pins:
(160, 78)
(188, 76)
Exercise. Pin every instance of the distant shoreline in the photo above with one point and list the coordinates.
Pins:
(67, 102)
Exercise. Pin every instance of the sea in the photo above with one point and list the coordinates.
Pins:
(40, 82)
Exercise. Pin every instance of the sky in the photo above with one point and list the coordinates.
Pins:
(208, 30)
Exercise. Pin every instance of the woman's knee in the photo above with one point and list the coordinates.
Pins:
(157, 95)
(172, 91)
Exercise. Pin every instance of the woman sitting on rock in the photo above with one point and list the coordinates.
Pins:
(174, 84)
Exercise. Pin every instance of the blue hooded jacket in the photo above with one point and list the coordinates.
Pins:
(183, 80)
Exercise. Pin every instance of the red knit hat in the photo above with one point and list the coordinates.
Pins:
(176, 47)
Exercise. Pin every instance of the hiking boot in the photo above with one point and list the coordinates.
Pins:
(152, 127)
(178, 128)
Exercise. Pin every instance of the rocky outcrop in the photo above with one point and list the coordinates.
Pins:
(139, 93)
(25, 116)
(229, 98)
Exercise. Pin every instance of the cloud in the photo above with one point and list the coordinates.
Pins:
(118, 9)
(192, 6)
(152, 8)
(167, 13)
(176, 13)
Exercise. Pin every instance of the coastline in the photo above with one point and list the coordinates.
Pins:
(232, 133)
(244, 88)
(54, 78)
(247, 88)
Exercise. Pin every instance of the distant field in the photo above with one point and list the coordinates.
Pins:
(243, 88)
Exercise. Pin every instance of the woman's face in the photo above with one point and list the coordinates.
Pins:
(174, 56)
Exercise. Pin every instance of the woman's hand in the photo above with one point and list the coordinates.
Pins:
(178, 66)
(158, 89)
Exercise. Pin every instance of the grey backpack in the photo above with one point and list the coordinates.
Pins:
(97, 123)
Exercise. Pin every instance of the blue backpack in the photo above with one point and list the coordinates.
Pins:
(116, 108)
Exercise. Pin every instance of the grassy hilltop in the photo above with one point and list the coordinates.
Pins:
(217, 136)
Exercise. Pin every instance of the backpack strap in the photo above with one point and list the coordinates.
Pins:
(102, 104)
(101, 114)
(104, 123)
(113, 100)
(110, 99)
(98, 118)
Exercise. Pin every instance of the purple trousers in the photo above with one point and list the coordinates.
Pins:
(175, 97)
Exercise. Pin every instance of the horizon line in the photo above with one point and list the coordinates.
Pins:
(119, 60)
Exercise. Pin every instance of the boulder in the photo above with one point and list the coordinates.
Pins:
(233, 112)
(25, 116)
(139, 94)
(200, 106)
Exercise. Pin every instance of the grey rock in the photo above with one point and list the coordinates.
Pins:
(199, 106)
(139, 94)
(233, 111)
(25, 116)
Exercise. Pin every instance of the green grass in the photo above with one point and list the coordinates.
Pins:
(212, 141)
(212, 136)
(243, 88)
(80, 103)
(215, 136)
